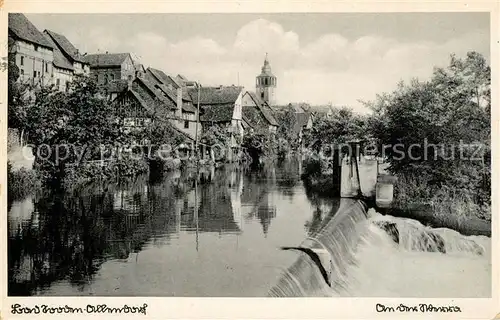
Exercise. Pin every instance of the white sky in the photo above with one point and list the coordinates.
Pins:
(318, 58)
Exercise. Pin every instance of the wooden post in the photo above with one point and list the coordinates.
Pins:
(337, 170)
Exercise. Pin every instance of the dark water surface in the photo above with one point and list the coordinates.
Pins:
(176, 235)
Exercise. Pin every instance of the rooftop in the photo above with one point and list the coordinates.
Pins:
(215, 95)
(23, 29)
(106, 59)
(65, 46)
(60, 61)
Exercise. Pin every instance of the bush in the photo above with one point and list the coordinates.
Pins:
(21, 183)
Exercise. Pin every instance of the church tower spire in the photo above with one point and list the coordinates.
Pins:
(265, 85)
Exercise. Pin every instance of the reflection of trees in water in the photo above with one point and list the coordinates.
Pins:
(325, 207)
(76, 234)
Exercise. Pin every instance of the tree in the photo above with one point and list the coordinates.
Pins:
(344, 125)
(425, 124)
(66, 127)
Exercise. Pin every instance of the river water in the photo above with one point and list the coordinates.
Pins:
(219, 234)
(164, 236)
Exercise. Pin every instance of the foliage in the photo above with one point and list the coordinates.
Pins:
(287, 120)
(216, 134)
(439, 116)
(71, 124)
(261, 143)
(344, 125)
(21, 182)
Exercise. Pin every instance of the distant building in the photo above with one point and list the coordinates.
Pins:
(31, 51)
(62, 68)
(265, 85)
(145, 98)
(108, 67)
(185, 115)
(257, 114)
(72, 54)
(220, 105)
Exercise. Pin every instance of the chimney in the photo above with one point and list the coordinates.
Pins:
(178, 111)
(129, 83)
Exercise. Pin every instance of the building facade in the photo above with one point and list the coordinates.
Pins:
(266, 83)
(257, 114)
(69, 52)
(108, 67)
(30, 50)
(220, 106)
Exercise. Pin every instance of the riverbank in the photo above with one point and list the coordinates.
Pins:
(439, 207)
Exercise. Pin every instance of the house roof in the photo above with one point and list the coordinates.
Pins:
(156, 93)
(167, 80)
(264, 108)
(215, 95)
(65, 46)
(60, 60)
(115, 86)
(106, 59)
(139, 96)
(217, 113)
(170, 93)
(23, 29)
(302, 119)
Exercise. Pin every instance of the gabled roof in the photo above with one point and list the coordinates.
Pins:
(215, 95)
(264, 108)
(60, 61)
(150, 108)
(170, 93)
(115, 86)
(217, 113)
(106, 59)
(23, 29)
(168, 80)
(66, 47)
(156, 93)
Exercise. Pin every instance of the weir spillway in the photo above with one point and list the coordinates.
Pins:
(375, 255)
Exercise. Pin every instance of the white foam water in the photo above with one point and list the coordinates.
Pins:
(383, 256)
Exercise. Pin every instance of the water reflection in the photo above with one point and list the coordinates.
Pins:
(68, 238)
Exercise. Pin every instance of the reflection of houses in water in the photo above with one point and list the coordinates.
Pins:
(258, 200)
(209, 208)
(236, 185)
(130, 200)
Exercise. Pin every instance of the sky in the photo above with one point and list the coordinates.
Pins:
(318, 58)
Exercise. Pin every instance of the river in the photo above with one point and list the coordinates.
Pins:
(219, 234)
(164, 236)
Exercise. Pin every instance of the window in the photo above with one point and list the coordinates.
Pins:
(266, 81)
(34, 74)
(58, 82)
(186, 124)
(112, 77)
(262, 94)
(22, 60)
(22, 72)
(46, 67)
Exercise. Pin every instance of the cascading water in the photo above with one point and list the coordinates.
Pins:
(373, 255)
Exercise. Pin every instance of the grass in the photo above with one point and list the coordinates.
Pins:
(447, 203)
(21, 183)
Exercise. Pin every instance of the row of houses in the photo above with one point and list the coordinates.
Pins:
(49, 58)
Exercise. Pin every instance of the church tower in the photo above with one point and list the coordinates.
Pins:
(266, 84)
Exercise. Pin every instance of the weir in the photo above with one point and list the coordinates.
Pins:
(375, 255)
(367, 254)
